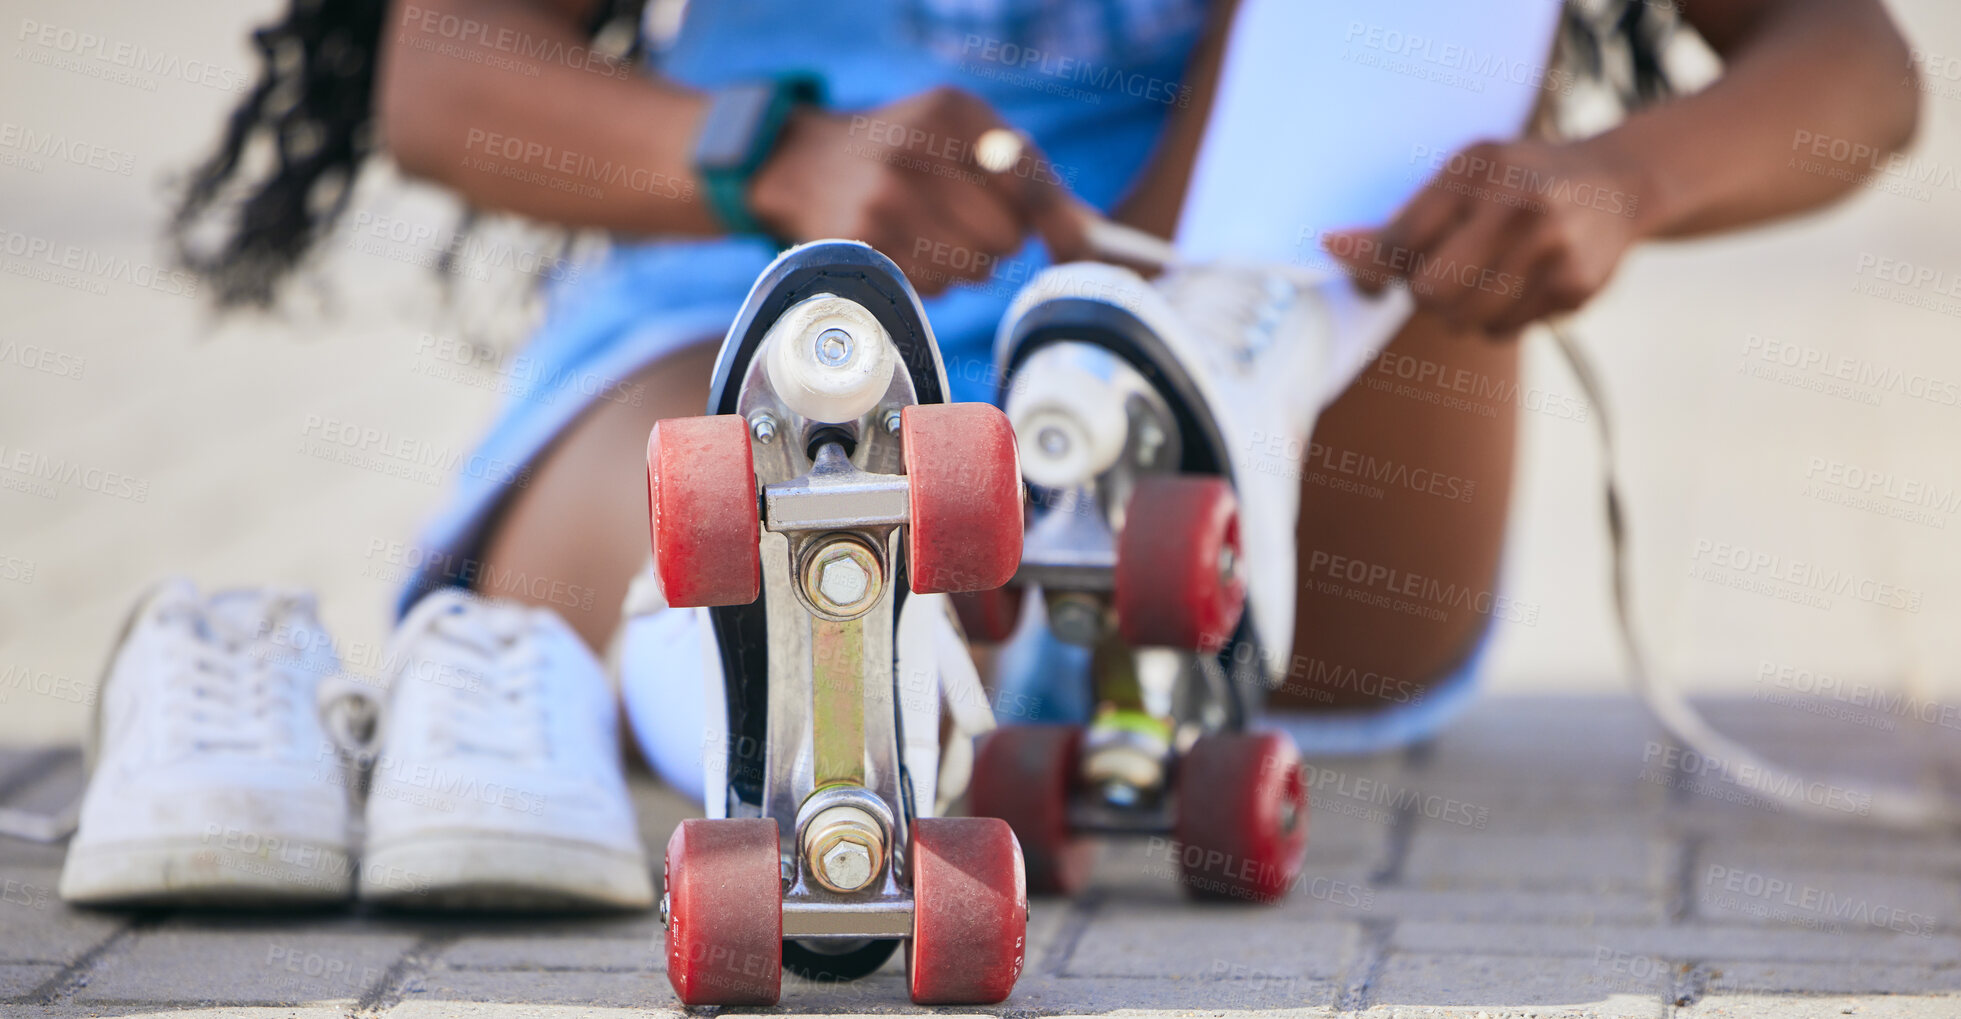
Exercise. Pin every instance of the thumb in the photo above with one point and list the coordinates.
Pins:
(1351, 248)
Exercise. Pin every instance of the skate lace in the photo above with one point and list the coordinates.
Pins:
(1237, 308)
(230, 689)
(489, 682)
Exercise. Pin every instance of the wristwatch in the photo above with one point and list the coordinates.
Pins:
(741, 128)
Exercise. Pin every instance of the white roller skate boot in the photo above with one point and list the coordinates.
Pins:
(831, 488)
(1161, 425)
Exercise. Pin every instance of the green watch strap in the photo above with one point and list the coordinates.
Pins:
(727, 187)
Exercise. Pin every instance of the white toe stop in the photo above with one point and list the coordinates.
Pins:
(828, 359)
(1069, 422)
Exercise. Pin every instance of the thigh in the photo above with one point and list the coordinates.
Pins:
(581, 523)
(1409, 471)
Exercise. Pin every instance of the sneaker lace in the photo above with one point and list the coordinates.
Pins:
(1238, 307)
(233, 688)
(491, 691)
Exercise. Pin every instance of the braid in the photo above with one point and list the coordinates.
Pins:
(313, 108)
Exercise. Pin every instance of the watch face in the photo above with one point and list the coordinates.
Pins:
(730, 132)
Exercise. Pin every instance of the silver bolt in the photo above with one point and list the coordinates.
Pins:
(842, 577)
(1228, 562)
(1150, 439)
(1075, 619)
(843, 581)
(847, 864)
(892, 422)
(834, 347)
(664, 906)
(762, 424)
(844, 847)
(1053, 441)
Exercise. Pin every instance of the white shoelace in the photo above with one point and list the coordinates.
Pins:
(232, 688)
(489, 673)
(1890, 804)
(1237, 307)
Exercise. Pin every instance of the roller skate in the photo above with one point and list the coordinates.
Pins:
(830, 480)
(1160, 428)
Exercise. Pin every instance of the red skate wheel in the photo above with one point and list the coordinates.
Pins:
(724, 912)
(1242, 816)
(701, 509)
(1023, 775)
(969, 911)
(989, 617)
(965, 478)
(1177, 580)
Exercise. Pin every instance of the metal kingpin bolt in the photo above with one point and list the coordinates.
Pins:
(664, 906)
(834, 347)
(842, 577)
(847, 864)
(892, 421)
(1075, 619)
(844, 847)
(762, 424)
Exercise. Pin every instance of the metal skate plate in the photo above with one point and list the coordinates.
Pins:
(791, 749)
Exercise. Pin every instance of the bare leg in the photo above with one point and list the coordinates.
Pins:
(582, 521)
(1351, 654)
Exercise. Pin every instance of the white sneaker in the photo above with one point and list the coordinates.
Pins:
(213, 781)
(1251, 353)
(499, 782)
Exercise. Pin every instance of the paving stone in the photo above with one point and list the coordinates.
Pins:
(419, 1009)
(1797, 843)
(1760, 977)
(16, 980)
(1513, 984)
(1685, 942)
(1754, 891)
(1208, 942)
(1047, 919)
(1517, 906)
(1767, 1006)
(555, 953)
(1446, 856)
(186, 964)
(1291, 996)
(542, 987)
(191, 1010)
(36, 926)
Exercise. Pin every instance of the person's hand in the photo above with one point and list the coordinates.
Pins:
(904, 179)
(1504, 234)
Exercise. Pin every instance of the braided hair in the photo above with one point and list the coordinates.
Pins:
(284, 169)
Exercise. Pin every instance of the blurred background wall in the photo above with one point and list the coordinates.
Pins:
(1788, 401)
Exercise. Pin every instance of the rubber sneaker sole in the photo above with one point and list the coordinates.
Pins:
(479, 870)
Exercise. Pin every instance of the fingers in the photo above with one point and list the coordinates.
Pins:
(1466, 286)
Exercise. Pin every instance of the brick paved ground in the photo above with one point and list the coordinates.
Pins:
(1537, 861)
